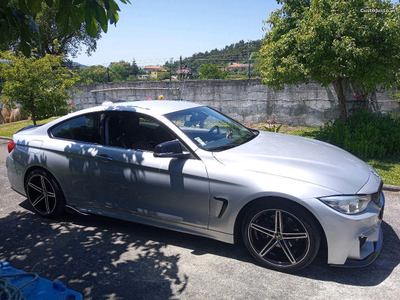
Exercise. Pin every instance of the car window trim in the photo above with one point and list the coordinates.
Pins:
(107, 115)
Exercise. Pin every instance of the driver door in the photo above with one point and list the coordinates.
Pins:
(131, 179)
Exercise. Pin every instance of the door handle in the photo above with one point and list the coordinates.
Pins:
(104, 158)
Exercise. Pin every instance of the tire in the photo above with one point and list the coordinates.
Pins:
(44, 194)
(281, 236)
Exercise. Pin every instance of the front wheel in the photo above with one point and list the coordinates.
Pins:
(281, 236)
(44, 194)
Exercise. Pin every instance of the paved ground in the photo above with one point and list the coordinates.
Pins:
(104, 258)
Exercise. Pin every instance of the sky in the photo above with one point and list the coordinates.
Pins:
(154, 31)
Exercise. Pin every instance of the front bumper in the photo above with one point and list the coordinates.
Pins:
(352, 240)
(354, 263)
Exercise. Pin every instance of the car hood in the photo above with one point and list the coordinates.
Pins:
(301, 159)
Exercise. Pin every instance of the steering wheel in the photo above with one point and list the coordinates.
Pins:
(214, 128)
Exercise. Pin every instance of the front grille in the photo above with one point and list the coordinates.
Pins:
(377, 196)
(362, 240)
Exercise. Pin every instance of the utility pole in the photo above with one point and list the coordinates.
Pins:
(180, 67)
(170, 71)
(248, 55)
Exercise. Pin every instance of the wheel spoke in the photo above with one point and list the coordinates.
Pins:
(262, 229)
(35, 187)
(288, 252)
(267, 249)
(43, 183)
(278, 222)
(46, 201)
(49, 194)
(295, 236)
(40, 198)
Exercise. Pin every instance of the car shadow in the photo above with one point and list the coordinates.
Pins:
(100, 257)
(99, 242)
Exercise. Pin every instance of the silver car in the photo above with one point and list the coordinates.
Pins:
(189, 168)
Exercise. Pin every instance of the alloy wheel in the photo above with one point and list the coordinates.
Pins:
(41, 194)
(278, 237)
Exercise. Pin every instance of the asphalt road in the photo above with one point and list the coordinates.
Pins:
(103, 258)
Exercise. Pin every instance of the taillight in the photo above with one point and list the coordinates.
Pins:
(11, 146)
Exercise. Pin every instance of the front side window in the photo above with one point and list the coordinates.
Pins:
(84, 128)
(134, 131)
(209, 129)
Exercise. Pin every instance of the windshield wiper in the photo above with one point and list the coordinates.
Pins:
(223, 147)
(250, 138)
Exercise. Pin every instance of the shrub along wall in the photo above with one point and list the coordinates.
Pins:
(367, 135)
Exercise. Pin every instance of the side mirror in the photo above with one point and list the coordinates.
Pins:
(170, 149)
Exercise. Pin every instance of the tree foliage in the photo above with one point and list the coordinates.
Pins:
(94, 74)
(66, 43)
(18, 18)
(51, 39)
(40, 86)
(116, 72)
(330, 41)
(211, 72)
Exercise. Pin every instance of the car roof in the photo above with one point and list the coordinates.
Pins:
(151, 107)
(156, 107)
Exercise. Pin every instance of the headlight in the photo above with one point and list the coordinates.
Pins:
(348, 204)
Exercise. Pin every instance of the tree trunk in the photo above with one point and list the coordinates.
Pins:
(33, 111)
(342, 100)
(1, 118)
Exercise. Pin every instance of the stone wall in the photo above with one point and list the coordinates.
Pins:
(244, 100)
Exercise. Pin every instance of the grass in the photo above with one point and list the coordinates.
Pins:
(7, 130)
(388, 168)
(293, 130)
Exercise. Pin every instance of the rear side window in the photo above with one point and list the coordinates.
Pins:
(84, 128)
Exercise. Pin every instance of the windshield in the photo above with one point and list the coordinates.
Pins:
(209, 129)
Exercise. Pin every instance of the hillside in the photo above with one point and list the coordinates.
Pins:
(238, 52)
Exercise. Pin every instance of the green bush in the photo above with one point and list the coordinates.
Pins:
(366, 135)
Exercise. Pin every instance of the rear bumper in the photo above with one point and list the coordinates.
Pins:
(15, 174)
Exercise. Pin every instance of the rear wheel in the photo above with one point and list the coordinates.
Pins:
(44, 194)
(281, 236)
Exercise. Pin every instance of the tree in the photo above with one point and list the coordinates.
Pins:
(95, 74)
(116, 72)
(18, 18)
(40, 86)
(331, 41)
(51, 39)
(121, 70)
(66, 43)
(211, 72)
(135, 68)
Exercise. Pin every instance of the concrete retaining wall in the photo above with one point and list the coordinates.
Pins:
(244, 100)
